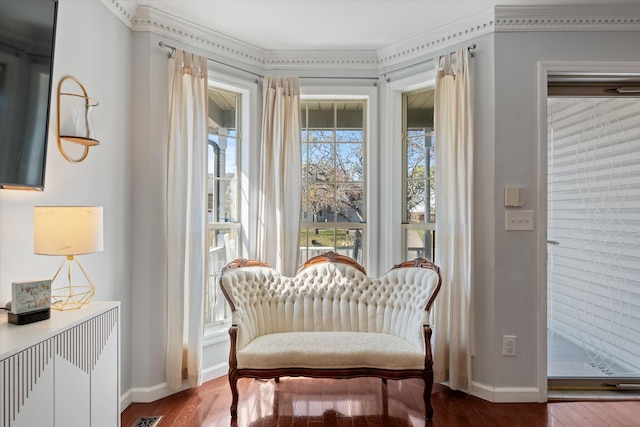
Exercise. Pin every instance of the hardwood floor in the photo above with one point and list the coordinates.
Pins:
(361, 402)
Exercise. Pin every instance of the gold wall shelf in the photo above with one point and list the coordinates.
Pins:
(75, 123)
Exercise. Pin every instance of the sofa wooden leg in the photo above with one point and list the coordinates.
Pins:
(385, 399)
(233, 382)
(233, 371)
(427, 375)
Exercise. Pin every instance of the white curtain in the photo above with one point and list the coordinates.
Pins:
(453, 126)
(280, 175)
(186, 220)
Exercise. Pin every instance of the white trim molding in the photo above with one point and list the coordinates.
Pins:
(160, 391)
(123, 9)
(505, 394)
(438, 39)
(568, 18)
(498, 19)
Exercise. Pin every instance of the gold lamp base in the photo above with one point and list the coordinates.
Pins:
(71, 297)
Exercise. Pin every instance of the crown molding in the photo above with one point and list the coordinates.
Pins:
(619, 17)
(152, 20)
(123, 9)
(321, 59)
(438, 39)
(497, 19)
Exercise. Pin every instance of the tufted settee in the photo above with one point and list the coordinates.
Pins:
(330, 320)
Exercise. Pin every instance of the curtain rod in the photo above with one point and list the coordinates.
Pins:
(173, 50)
(470, 49)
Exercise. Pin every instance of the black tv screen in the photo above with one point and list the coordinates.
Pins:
(27, 40)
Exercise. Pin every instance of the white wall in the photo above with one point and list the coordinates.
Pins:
(150, 99)
(483, 255)
(515, 268)
(103, 64)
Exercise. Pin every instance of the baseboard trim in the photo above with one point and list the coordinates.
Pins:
(159, 391)
(505, 394)
(125, 400)
(153, 393)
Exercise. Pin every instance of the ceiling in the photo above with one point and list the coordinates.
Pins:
(316, 25)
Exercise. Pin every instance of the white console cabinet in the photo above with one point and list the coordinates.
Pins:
(64, 371)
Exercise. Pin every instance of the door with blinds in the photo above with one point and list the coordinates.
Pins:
(593, 216)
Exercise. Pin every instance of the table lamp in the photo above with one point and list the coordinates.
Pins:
(69, 231)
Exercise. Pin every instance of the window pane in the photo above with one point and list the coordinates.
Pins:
(350, 164)
(416, 198)
(348, 135)
(416, 156)
(222, 109)
(321, 114)
(307, 211)
(349, 242)
(321, 162)
(227, 205)
(230, 157)
(350, 114)
(222, 250)
(320, 135)
(316, 241)
(305, 158)
(349, 202)
(319, 201)
(421, 203)
(419, 243)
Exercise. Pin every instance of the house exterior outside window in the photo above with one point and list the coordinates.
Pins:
(334, 138)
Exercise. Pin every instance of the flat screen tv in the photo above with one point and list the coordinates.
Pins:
(27, 40)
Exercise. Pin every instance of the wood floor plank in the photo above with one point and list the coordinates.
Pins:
(570, 415)
(360, 402)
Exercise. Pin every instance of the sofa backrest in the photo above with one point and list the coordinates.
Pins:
(330, 296)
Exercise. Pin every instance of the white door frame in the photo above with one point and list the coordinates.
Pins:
(546, 68)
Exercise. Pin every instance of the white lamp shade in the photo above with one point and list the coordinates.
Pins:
(67, 230)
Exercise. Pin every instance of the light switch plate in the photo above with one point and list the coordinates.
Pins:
(518, 220)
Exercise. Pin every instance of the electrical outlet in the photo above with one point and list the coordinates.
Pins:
(508, 345)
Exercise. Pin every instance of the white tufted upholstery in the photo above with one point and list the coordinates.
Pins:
(330, 298)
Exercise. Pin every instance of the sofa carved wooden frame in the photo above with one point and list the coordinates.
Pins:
(425, 374)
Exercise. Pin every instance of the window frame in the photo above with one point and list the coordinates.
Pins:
(406, 224)
(371, 196)
(248, 161)
(391, 170)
